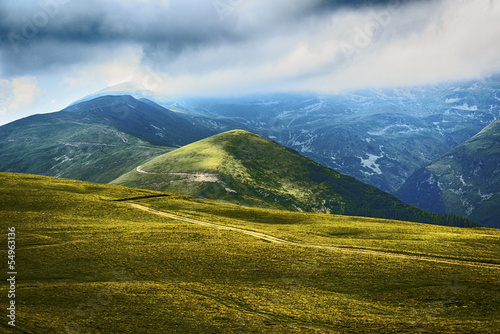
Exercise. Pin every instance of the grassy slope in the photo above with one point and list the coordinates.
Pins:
(55, 146)
(262, 173)
(95, 265)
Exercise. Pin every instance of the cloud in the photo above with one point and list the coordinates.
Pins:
(123, 64)
(391, 45)
(79, 30)
(164, 29)
(333, 5)
(18, 94)
(216, 46)
(460, 39)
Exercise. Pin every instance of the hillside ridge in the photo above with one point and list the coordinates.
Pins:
(244, 168)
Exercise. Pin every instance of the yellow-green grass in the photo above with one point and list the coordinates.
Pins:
(90, 264)
(472, 244)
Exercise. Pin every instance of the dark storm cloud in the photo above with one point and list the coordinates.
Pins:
(36, 35)
(48, 33)
(249, 43)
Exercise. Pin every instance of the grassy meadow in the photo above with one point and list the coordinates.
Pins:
(88, 262)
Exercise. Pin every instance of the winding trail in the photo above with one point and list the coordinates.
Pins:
(270, 238)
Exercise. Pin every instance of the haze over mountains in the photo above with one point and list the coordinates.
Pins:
(380, 137)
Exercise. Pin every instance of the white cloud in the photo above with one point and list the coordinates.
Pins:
(461, 40)
(419, 43)
(122, 64)
(179, 48)
(19, 93)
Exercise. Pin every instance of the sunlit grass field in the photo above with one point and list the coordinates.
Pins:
(88, 262)
(476, 244)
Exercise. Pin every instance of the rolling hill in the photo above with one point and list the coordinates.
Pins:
(90, 262)
(465, 181)
(246, 169)
(95, 140)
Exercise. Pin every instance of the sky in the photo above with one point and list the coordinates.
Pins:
(53, 52)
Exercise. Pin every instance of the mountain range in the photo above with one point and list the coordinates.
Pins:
(377, 136)
(380, 137)
(96, 140)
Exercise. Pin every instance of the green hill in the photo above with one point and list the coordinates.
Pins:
(96, 140)
(243, 168)
(89, 262)
(465, 181)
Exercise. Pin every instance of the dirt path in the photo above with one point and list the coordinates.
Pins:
(190, 177)
(270, 238)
